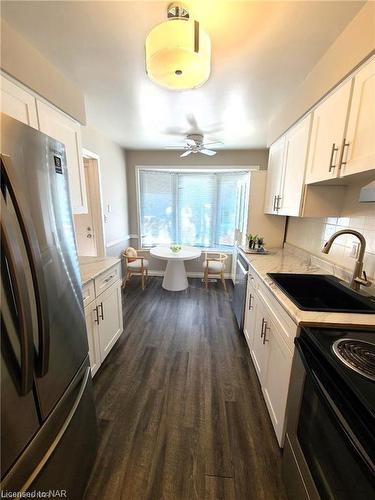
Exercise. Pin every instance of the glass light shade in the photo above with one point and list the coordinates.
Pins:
(178, 54)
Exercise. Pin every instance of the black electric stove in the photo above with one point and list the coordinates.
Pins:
(329, 448)
(360, 385)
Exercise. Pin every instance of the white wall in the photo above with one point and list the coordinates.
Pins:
(27, 65)
(311, 234)
(114, 188)
(355, 44)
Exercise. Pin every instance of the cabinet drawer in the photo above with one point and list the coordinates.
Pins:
(88, 293)
(106, 279)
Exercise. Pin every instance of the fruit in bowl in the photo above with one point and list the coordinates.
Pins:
(175, 248)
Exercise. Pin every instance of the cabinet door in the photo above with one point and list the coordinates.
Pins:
(274, 175)
(259, 348)
(18, 103)
(110, 318)
(250, 315)
(91, 318)
(296, 147)
(67, 131)
(276, 379)
(359, 150)
(328, 128)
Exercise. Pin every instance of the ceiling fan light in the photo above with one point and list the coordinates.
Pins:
(178, 54)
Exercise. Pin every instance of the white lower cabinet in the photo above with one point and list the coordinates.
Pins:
(276, 378)
(110, 318)
(93, 336)
(104, 323)
(270, 341)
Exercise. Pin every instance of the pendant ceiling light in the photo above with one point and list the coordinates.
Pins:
(178, 51)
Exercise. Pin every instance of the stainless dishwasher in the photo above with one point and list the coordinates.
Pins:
(239, 292)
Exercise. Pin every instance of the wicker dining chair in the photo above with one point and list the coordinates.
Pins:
(214, 265)
(135, 264)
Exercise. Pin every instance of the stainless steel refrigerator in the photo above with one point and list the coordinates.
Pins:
(48, 421)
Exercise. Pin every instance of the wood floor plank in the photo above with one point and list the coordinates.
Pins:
(180, 411)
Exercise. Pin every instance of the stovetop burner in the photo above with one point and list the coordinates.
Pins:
(358, 355)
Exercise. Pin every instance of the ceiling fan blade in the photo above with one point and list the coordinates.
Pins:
(190, 142)
(212, 143)
(208, 152)
(186, 153)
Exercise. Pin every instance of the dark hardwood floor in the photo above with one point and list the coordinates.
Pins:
(180, 411)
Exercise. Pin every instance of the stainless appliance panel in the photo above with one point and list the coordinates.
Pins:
(239, 291)
(36, 163)
(61, 455)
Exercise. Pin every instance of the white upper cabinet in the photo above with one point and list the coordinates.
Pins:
(274, 176)
(328, 129)
(18, 103)
(292, 183)
(62, 128)
(359, 149)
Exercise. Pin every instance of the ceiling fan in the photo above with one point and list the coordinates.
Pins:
(195, 144)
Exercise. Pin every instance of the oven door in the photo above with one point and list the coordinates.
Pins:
(325, 456)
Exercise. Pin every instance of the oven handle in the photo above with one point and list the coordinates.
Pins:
(330, 405)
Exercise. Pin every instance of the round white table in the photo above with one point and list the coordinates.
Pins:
(175, 278)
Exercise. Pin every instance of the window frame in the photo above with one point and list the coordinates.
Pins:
(177, 170)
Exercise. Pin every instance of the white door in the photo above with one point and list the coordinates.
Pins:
(67, 131)
(91, 318)
(259, 349)
(18, 103)
(84, 224)
(110, 318)
(296, 148)
(328, 128)
(359, 151)
(276, 379)
(274, 175)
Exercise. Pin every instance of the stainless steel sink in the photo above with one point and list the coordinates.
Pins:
(320, 292)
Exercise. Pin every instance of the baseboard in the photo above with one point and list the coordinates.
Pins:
(192, 274)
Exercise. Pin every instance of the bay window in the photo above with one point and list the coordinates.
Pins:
(198, 208)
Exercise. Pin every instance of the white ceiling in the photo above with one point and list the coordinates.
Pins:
(261, 52)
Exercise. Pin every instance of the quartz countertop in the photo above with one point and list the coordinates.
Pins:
(289, 261)
(91, 267)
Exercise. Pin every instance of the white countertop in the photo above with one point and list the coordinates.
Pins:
(91, 267)
(288, 261)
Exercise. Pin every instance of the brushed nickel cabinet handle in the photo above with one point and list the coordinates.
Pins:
(109, 278)
(333, 151)
(345, 150)
(250, 302)
(261, 330)
(102, 311)
(274, 204)
(278, 199)
(96, 319)
(265, 339)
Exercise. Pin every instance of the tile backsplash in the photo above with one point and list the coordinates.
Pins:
(311, 234)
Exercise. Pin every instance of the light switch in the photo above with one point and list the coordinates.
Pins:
(109, 208)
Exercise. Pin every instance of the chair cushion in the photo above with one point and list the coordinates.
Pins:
(213, 266)
(136, 264)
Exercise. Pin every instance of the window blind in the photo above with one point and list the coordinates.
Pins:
(193, 208)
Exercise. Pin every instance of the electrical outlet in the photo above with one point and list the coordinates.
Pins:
(354, 250)
(106, 219)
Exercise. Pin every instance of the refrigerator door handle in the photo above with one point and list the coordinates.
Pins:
(60, 434)
(9, 176)
(19, 286)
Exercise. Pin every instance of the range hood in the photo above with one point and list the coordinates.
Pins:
(367, 193)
